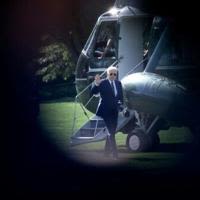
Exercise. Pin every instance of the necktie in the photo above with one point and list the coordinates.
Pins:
(113, 89)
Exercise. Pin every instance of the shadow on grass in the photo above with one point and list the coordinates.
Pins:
(174, 147)
(165, 147)
(162, 148)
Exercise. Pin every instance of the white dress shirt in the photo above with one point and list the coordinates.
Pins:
(115, 89)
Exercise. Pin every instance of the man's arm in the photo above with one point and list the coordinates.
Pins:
(94, 89)
(95, 85)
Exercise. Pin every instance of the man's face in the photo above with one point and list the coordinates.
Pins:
(112, 75)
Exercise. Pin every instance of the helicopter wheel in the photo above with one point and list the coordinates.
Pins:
(138, 141)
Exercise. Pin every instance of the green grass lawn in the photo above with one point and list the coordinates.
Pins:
(56, 118)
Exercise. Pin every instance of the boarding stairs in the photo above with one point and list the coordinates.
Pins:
(95, 129)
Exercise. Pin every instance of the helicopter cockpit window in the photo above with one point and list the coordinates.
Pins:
(105, 41)
(104, 47)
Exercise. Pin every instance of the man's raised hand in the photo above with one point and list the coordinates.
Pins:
(97, 79)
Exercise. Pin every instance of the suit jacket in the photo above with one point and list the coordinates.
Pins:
(108, 103)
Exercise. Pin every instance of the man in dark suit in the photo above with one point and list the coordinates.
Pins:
(111, 97)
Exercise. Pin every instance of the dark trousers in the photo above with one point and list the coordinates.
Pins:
(110, 144)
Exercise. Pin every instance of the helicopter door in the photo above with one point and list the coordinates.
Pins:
(130, 44)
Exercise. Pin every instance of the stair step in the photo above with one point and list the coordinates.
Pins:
(88, 132)
(84, 138)
(98, 124)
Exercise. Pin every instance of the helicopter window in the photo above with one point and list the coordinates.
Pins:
(153, 35)
(103, 48)
(105, 44)
(179, 51)
(146, 39)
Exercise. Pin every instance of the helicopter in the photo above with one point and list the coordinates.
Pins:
(157, 61)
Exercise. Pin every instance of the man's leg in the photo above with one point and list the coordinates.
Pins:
(110, 144)
(107, 147)
(113, 145)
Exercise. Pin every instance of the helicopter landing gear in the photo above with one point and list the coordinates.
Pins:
(145, 136)
(139, 141)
